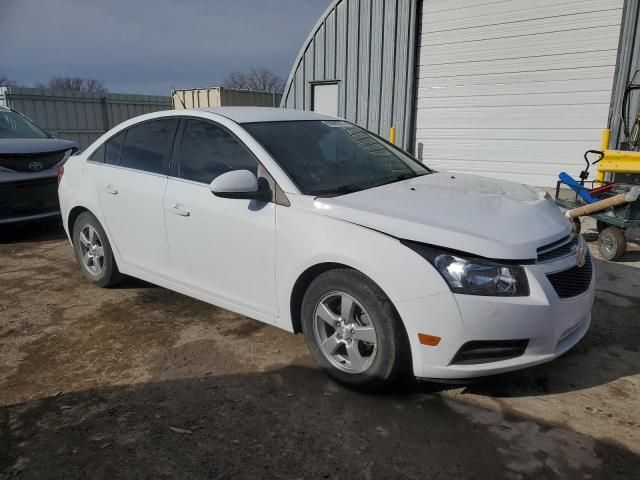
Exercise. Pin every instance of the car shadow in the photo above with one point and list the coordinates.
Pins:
(285, 423)
(37, 231)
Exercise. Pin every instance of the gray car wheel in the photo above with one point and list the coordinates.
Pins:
(353, 331)
(93, 252)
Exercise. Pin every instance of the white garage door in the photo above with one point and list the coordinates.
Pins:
(514, 89)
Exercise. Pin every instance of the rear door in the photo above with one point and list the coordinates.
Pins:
(222, 247)
(131, 186)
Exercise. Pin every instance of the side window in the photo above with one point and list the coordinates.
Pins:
(98, 155)
(113, 148)
(207, 150)
(147, 146)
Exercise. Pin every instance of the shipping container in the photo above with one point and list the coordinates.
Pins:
(222, 97)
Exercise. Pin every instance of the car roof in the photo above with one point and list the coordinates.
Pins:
(265, 114)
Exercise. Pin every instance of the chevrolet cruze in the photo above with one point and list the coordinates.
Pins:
(315, 225)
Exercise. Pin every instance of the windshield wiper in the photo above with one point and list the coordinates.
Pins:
(344, 189)
(400, 177)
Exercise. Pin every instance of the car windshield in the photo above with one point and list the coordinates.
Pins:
(328, 158)
(14, 125)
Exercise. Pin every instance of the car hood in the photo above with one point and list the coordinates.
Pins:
(27, 146)
(486, 217)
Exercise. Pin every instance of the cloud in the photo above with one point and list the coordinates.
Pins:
(150, 46)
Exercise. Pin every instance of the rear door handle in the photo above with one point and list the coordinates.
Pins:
(111, 189)
(180, 210)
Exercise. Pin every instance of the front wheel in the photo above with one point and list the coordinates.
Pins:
(353, 330)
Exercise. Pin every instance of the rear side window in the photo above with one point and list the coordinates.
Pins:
(147, 146)
(112, 149)
(98, 155)
(207, 150)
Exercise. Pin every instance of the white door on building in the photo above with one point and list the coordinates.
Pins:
(324, 98)
(514, 89)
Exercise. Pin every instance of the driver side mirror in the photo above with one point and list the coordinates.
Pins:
(240, 184)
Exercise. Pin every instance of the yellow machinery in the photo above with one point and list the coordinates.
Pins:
(616, 161)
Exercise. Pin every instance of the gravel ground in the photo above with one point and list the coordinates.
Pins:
(141, 382)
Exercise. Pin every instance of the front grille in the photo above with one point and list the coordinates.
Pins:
(32, 197)
(560, 249)
(574, 281)
(38, 161)
(485, 351)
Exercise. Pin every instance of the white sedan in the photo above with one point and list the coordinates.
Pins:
(315, 225)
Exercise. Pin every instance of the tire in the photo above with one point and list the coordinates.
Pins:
(577, 226)
(612, 243)
(88, 238)
(360, 364)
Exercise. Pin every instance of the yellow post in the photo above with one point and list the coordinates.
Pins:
(392, 135)
(604, 145)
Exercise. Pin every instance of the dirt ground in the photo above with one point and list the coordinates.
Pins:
(141, 382)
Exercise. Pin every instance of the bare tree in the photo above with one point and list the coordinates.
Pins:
(5, 81)
(93, 85)
(260, 79)
(75, 83)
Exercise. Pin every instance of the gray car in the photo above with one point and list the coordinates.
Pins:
(29, 161)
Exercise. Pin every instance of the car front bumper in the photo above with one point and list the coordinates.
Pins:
(551, 325)
(29, 198)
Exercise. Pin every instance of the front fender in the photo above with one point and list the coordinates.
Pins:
(305, 239)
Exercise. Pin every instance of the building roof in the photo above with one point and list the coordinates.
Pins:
(264, 114)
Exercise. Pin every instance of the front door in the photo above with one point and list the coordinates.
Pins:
(222, 247)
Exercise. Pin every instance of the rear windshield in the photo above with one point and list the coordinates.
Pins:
(14, 125)
(334, 157)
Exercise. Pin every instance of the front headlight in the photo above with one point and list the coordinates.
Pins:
(476, 276)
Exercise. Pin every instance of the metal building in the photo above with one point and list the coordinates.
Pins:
(511, 89)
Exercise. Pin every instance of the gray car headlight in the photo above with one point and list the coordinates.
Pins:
(476, 276)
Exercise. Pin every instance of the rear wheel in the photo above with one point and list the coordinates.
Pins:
(93, 252)
(353, 331)
(612, 243)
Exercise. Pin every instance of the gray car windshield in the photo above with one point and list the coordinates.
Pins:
(14, 125)
(334, 157)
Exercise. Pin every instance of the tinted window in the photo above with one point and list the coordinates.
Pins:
(334, 157)
(113, 148)
(13, 125)
(147, 146)
(98, 155)
(207, 150)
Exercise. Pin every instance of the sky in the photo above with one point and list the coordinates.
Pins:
(151, 46)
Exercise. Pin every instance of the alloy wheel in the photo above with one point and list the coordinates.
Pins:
(91, 250)
(345, 333)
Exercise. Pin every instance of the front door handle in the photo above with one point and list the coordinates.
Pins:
(180, 210)
(111, 189)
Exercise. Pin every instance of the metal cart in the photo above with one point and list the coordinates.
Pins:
(611, 223)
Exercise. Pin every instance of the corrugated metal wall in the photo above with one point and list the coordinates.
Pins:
(369, 47)
(628, 65)
(515, 89)
(79, 116)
